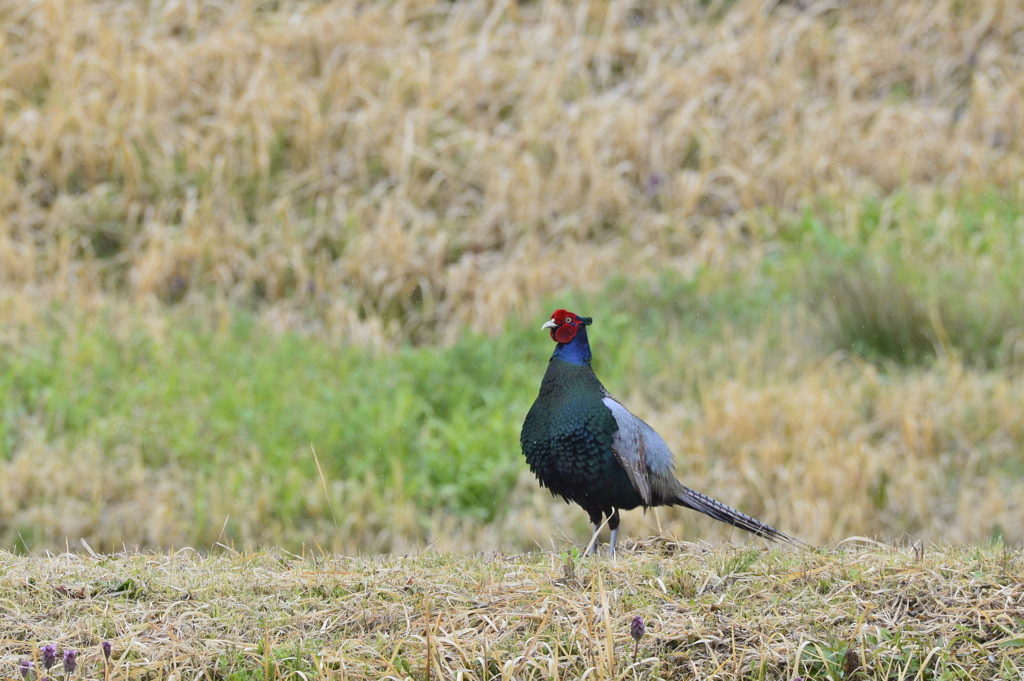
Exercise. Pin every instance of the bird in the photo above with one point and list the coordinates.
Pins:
(585, 446)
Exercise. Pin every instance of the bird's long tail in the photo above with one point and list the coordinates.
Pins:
(719, 511)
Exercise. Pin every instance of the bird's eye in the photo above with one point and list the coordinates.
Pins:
(568, 320)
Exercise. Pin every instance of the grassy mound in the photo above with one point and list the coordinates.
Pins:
(868, 612)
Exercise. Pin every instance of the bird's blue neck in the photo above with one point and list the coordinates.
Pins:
(576, 351)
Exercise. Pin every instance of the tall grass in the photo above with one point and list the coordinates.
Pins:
(390, 170)
(200, 431)
(908, 279)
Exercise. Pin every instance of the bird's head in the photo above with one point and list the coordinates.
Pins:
(563, 325)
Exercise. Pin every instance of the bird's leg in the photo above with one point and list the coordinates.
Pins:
(593, 540)
(613, 523)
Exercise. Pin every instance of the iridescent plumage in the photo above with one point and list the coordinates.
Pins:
(586, 447)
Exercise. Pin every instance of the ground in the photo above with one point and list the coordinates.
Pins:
(857, 610)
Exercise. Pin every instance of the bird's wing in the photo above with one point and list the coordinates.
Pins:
(640, 451)
(648, 463)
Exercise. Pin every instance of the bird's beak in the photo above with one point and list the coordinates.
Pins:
(549, 324)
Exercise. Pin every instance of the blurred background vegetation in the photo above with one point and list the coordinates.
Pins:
(235, 233)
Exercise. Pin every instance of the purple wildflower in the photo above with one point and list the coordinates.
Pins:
(49, 655)
(653, 185)
(106, 649)
(70, 660)
(25, 668)
(636, 630)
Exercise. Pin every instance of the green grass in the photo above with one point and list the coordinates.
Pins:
(199, 399)
(441, 424)
(902, 281)
(224, 406)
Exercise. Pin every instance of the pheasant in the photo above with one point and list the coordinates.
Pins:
(584, 446)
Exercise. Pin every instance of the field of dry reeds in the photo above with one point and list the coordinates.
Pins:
(416, 162)
(798, 222)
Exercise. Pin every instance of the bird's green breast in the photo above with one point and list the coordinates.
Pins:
(567, 437)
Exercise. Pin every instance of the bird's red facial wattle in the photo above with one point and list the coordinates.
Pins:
(563, 325)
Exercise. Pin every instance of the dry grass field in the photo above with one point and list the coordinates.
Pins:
(863, 611)
(770, 205)
(390, 169)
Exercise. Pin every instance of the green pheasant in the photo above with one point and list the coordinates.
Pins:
(584, 446)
